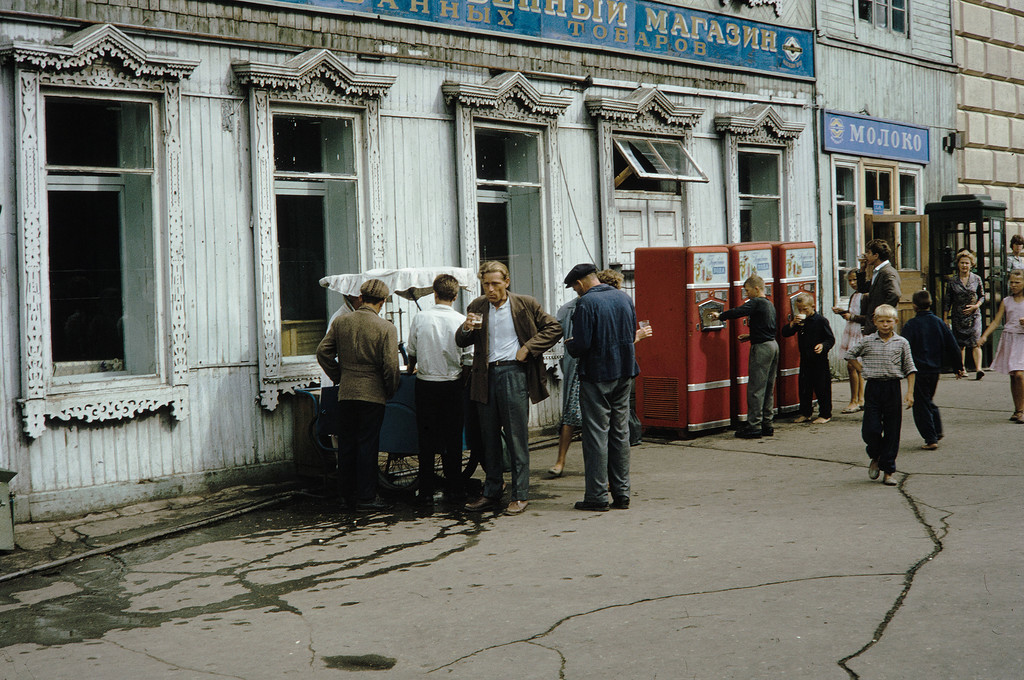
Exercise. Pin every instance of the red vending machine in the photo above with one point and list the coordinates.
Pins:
(684, 368)
(745, 259)
(796, 271)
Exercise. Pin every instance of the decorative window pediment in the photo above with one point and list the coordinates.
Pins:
(320, 85)
(99, 64)
(645, 109)
(309, 72)
(510, 95)
(759, 124)
(103, 41)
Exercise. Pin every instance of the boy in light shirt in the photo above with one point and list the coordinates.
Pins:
(885, 359)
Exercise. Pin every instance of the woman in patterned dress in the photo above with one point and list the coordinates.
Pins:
(852, 334)
(965, 295)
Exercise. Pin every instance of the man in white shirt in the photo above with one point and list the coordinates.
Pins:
(437, 361)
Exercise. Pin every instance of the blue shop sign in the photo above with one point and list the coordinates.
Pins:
(864, 136)
(638, 26)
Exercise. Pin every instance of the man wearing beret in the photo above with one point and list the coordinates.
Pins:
(603, 333)
(360, 355)
(509, 334)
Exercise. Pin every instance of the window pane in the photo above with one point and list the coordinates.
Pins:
(102, 285)
(846, 187)
(877, 187)
(118, 133)
(899, 16)
(85, 276)
(908, 194)
(303, 144)
(881, 13)
(506, 156)
(758, 174)
(846, 224)
(300, 243)
(759, 220)
(909, 232)
(493, 218)
(626, 179)
(864, 9)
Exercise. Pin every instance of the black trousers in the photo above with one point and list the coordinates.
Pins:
(883, 419)
(439, 420)
(358, 447)
(926, 413)
(815, 380)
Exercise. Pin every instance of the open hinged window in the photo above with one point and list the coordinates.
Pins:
(661, 159)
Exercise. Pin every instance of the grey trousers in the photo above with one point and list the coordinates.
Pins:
(508, 409)
(605, 407)
(764, 366)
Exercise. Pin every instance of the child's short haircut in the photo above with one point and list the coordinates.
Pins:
(804, 300)
(754, 281)
(446, 287)
(885, 312)
(922, 299)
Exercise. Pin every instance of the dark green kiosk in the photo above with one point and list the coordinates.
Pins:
(977, 222)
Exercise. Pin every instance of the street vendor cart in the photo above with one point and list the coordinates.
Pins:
(398, 467)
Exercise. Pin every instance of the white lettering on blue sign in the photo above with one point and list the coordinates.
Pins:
(863, 136)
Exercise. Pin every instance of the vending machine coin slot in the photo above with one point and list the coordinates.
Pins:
(707, 322)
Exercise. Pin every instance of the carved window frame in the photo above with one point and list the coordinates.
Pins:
(315, 80)
(509, 100)
(760, 125)
(96, 62)
(647, 111)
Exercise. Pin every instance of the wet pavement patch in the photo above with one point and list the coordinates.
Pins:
(366, 662)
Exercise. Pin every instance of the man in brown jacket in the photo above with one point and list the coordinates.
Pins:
(360, 355)
(509, 334)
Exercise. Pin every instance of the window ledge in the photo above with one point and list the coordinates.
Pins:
(101, 406)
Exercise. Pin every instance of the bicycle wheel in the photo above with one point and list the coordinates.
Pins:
(398, 472)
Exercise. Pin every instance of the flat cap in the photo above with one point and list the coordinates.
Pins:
(374, 288)
(578, 272)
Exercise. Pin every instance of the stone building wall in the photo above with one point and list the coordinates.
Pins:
(989, 46)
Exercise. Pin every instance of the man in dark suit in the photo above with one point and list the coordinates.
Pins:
(509, 334)
(878, 281)
(360, 355)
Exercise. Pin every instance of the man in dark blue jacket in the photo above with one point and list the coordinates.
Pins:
(603, 332)
(932, 345)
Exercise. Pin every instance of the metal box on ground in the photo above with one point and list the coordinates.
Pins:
(6, 510)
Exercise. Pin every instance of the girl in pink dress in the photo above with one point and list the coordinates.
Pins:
(851, 336)
(1009, 357)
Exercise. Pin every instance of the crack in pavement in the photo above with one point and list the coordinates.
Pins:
(173, 665)
(908, 578)
(532, 639)
(915, 507)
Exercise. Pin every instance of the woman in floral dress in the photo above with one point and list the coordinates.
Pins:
(965, 295)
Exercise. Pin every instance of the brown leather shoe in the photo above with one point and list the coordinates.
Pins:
(482, 503)
(516, 507)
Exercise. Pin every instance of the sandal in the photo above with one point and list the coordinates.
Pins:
(1016, 415)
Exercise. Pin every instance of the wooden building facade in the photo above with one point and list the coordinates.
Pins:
(184, 174)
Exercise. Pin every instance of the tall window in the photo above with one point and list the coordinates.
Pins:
(846, 222)
(890, 14)
(99, 181)
(508, 194)
(873, 187)
(315, 187)
(760, 195)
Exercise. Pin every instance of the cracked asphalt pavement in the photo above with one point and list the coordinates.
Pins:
(772, 558)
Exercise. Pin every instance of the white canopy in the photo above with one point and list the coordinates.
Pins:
(411, 283)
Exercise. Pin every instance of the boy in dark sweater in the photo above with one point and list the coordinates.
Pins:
(815, 339)
(764, 358)
(932, 345)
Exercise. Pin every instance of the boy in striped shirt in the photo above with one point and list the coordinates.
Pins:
(885, 359)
